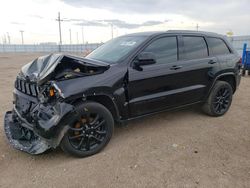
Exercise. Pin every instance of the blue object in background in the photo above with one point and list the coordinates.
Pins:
(244, 53)
(245, 60)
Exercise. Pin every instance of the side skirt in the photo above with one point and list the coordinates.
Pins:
(124, 122)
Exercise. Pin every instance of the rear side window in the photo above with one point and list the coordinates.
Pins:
(217, 46)
(165, 49)
(195, 47)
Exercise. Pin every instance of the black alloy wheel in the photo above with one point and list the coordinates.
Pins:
(219, 99)
(90, 132)
(222, 100)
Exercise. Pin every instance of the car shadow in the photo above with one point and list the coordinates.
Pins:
(153, 120)
(131, 127)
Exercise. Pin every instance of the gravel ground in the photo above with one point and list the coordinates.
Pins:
(182, 148)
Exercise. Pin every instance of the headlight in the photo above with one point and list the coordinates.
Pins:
(57, 90)
(50, 92)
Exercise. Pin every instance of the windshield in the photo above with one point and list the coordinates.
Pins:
(113, 50)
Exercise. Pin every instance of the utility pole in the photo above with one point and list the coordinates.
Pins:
(8, 36)
(4, 39)
(21, 31)
(197, 27)
(77, 39)
(112, 31)
(70, 39)
(60, 32)
(82, 35)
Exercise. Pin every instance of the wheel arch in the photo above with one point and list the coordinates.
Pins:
(229, 78)
(105, 100)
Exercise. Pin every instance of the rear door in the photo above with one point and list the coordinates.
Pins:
(197, 68)
(219, 49)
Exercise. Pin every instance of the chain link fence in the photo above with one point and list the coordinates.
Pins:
(237, 42)
(50, 48)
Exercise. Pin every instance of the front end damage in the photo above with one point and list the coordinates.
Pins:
(21, 137)
(46, 129)
(42, 114)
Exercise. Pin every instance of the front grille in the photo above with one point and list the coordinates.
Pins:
(26, 87)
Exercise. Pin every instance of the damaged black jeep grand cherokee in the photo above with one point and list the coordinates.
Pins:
(73, 102)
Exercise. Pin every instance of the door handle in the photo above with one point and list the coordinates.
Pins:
(212, 62)
(175, 67)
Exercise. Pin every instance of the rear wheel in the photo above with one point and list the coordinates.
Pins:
(90, 132)
(219, 100)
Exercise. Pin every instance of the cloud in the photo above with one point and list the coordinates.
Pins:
(204, 10)
(36, 16)
(115, 22)
(222, 15)
(93, 23)
(17, 23)
(151, 23)
(120, 23)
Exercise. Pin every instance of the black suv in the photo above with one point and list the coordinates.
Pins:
(73, 102)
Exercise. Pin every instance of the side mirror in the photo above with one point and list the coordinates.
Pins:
(145, 58)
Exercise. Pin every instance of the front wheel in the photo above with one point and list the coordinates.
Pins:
(219, 100)
(90, 132)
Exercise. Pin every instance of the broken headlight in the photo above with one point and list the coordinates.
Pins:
(49, 93)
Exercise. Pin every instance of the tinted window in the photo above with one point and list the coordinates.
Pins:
(165, 49)
(217, 46)
(114, 50)
(195, 47)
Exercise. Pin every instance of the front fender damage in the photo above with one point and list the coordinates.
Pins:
(49, 124)
(39, 121)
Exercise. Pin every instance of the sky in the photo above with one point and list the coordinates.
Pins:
(92, 21)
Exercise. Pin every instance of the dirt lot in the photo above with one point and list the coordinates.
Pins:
(174, 149)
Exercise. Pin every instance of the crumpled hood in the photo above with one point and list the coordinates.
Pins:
(40, 69)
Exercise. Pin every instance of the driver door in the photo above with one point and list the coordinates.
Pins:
(153, 88)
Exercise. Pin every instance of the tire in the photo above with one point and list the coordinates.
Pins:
(219, 100)
(91, 131)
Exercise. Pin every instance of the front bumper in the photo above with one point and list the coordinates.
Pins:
(22, 138)
(43, 133)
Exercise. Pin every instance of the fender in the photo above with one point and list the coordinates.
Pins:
(110, 101)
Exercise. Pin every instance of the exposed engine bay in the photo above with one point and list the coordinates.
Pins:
(71, 68)
(57, 66)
